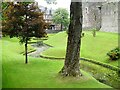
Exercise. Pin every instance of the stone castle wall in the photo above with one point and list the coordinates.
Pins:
(103, 16)
(110, 17)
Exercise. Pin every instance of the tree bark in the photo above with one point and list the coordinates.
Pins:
(26, 40)
(71, 65)
(26, 58)
(61, 26)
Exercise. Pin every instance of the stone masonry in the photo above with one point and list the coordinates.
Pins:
(101, 16)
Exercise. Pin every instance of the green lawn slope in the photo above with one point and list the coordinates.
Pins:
(92, 47)
(38, 73)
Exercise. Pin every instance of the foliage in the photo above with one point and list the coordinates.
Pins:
(114, 54)
(4, 6)
(102, 74)
(94, 32)
(23, 20)
(51, 1)
(61, 16)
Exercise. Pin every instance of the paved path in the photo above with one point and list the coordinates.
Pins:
(39, 49)
(44, 47)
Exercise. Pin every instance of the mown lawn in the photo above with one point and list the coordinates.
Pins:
(38, 73)
(0, 65)
(92, 47)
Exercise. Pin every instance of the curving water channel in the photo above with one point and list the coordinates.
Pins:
(109, 78)
(39, 48)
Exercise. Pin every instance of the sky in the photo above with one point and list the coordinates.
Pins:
(60, 4)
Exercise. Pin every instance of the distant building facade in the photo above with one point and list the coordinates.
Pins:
(101, 15)
(48, 12)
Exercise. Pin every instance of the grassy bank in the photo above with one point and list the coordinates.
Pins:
(92, 47)
(38, 73)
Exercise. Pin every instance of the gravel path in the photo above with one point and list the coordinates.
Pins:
(39, 49)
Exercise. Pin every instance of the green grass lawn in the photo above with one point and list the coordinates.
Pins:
(92, 47)
(0, 65)
(38, 73)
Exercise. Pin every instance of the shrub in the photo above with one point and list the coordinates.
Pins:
(94, 32)
(114, 54)
(82, 34)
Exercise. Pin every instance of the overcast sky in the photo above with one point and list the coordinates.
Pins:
(60, 4)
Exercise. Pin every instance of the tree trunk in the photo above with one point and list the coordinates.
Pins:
(71, 66)
(61, 26)
(94, 33)
(26, 59)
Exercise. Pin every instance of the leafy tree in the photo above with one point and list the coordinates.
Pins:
(23, 20)
(51, 1)
(4, 6)
(60, 16)
(72, 66)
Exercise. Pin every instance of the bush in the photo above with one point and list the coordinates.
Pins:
(94, 32)
(114, 54)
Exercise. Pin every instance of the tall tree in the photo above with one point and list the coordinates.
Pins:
(4, 6)
(72, 66)
(60, 16)
(51, 1)
(24, 20)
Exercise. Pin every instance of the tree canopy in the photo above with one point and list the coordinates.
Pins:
(51, 1)
(23, 20)
(60, 16)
